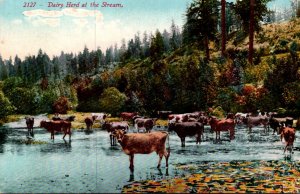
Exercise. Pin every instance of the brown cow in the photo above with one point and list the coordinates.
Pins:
(29, 124)
(89, 121)
(127, 116)
(256, 121)
(187, 129)
(146, 123)
(222, 125)
(57, 126)
(112, 126)
(177, 118)
(288, 134)
(143, 143)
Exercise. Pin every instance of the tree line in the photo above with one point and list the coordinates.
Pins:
(177, 69)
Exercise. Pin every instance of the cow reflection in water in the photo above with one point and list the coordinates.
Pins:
(159, 174)
(136, 143)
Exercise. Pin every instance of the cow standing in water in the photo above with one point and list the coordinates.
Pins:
(147, 124)
(89, 121)
(112, 126)
(288, 134)
(57, 126)
(187, 129)
(127, 116)
(143, 143)
(222, 125)
(29, 124)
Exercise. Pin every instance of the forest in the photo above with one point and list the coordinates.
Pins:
(232, 57)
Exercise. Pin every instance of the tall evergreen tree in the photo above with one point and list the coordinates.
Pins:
(10, 67)
(223, 25)
(251, 12)
(201, 22)
(18, 66)
(146, 45)
(175, 37)
(3, 70)
(157, 46)
(166, 40)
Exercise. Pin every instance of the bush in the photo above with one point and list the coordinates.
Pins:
(6, 107)
(112, 101)
(61, 105)
(24, 99)
(218, 112)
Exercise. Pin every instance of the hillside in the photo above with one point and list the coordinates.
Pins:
(181, 80)
(225, 78)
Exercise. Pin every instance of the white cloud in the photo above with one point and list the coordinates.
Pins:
(17, 21)
(43, 13)
(52, 22)
(80, 22)
(35, 16)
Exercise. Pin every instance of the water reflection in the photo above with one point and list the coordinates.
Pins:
(57, 147)
(155, 174)
(3, 138)
(112, 151)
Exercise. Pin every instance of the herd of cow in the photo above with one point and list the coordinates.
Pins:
(188, 124)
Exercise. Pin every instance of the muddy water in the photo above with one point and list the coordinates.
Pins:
(89, 164)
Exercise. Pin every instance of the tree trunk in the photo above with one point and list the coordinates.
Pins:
(251, 31)
(223, 26)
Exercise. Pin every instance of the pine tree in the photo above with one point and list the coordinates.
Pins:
(201, 22)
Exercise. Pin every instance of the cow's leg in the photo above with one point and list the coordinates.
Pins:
(131, 157)
(167, 155)
(198, 138)
(70, 133)
(182, 142)
(64, 135)
(160, 158)
(216, 135)
(110, 138)
(285, 148)
(32, 134)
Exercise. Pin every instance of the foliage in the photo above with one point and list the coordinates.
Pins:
(226, 98)
(24, 99)
(201, 22)
(225, 177)
(46, 100)
(6, 106)
(11, 83)
(112, 101)
(157, 46)
(242, 9)
(218, 112)
(61, 105)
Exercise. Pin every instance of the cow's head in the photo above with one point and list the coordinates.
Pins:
(42, 123)
(171, 126)
(106, 125)
(71, 118)
(119, 134)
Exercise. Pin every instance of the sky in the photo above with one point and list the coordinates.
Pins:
(27, 26)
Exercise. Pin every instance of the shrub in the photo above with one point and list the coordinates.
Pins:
(6, 107)
(61, 105)
(112, 101)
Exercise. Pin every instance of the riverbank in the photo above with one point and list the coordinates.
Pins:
(18, 121)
